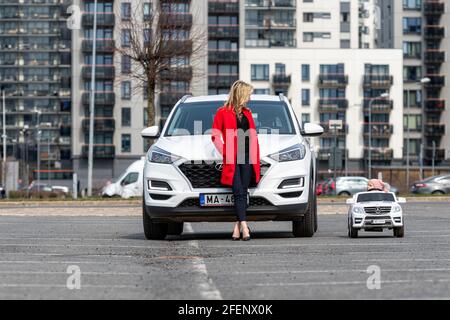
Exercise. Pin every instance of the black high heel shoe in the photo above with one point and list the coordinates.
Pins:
(247, 238)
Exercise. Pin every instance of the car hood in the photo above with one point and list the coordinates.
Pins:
(200, 147)
(375, 204)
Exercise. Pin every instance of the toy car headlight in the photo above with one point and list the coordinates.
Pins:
(358, 210)
(396, 208)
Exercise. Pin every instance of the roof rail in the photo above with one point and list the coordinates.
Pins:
(183, 98)
(281, 96)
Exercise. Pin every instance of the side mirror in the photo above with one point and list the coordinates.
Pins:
(401, 200)
(150, 132)
(349, 201)
(312, 130)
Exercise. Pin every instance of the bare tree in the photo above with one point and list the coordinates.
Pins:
(156, 41)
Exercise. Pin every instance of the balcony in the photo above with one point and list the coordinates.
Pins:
(434, 57)
(281, 80)
(179, 20)
(333, 105)
(331, 132)
(288, 4)
(378, 130)
(439, 154)
(222, 81)
(170, 98)
(177, 74)
(270, 43)
(378, 81)
(223, 56)
(101, 98)
(103, 19)
(101, 72)
(223, 31)
(436, 81)
(326, 153)
(434, 32)
(433, 8)
(379, 153)
(434, 129)
(223, 7)
(435, 105)
(100, 124)
(378, 105)
(181, 47)
(333, 80)
(101, 151)
(103, 46)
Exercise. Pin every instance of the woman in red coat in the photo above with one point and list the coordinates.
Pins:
(234, 135)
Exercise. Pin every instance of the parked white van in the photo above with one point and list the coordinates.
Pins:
(129, 183)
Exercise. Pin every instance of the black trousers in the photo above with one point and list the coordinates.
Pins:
(241, 181)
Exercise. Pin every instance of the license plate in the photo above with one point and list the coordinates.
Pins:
(378, 221)
(217, 199)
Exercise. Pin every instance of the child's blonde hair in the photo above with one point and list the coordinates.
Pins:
(239, 95)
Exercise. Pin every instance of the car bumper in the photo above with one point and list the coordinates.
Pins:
(275, 206)
(370, 222)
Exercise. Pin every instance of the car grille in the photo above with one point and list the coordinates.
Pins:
(377, 210)
(205, 175)
(254, 202)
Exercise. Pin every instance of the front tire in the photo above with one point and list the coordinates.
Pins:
(153, 230)
(399, 232)
(304, 228)
(352, 232)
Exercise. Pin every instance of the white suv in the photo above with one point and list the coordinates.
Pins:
(183, 168)
(375, 211)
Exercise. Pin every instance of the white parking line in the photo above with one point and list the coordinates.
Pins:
(12, 272)
(398, 260)
(206, 286)
(337, 271)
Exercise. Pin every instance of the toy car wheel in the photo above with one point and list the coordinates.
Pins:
(399, 232)
(352, 232)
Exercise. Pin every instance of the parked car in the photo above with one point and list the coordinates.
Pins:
(433, 185)
(319, 188)
(328, 187)
(129, 184)
(375, 211)
(183, 168)
(347, 186)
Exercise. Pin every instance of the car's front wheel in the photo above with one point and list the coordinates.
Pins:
(153, 230)
(305, 227)
(399, 232)
(175, 228)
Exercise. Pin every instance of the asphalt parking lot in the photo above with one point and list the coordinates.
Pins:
(117, 263)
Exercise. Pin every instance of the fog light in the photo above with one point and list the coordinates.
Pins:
(158, 185)
(292, 183)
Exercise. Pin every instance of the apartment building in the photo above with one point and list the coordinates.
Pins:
(322, 58)
(120, 102)
(223, 45)
(418, 27)
(35, 65)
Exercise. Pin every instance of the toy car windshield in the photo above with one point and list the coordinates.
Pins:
(376, 196)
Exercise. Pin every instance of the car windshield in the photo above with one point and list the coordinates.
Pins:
(376, 196)
(195, 118)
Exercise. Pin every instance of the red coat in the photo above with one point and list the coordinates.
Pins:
(225, 126)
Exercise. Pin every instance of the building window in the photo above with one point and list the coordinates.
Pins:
(126, 64)
(125, 10)
(412, 25)
(147, 10)
(345, 44)
(260, 72)
(145, 118)
(308, 17)
(306, 97)
(126, 37)
(412, 4)
(414, 146)
(415, 98)
(126, 90)
(126, 142)
(261, 91)
(305, 72)
(126, 117)
(414, 121)
(412, 74)
(305, 118)
(308, 37)
(412, 50)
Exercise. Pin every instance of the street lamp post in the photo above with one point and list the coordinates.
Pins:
(382, 96)
(38, 138)
(4, 138)
(92, 105)
(422, 81)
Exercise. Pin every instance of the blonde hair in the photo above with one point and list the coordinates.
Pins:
(239, 95)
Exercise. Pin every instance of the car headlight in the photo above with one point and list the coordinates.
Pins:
(396, 208)
(358, 210)
(296, 152)
(159, 155)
